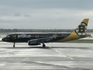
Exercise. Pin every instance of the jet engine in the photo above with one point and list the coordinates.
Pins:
(34, 42)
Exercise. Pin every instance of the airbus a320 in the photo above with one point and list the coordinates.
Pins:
(42, 38)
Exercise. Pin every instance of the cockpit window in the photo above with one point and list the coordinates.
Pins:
(8, 36)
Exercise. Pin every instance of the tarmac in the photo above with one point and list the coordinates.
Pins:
(56, 56)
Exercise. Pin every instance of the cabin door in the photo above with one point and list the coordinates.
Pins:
(13, 37)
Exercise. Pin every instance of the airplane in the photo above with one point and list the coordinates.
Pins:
(42, 38)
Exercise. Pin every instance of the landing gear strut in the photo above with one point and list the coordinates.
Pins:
(44, 45)
(14, 45)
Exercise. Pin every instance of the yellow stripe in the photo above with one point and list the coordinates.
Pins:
(72, 36)
(86, 20)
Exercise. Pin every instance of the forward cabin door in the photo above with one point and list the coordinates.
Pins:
(14, 37)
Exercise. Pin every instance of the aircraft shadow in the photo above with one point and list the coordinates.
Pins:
(25, 47)
(47, 47)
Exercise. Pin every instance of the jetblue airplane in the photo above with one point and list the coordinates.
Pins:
(42, 38)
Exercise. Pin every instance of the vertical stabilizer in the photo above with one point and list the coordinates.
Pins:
(81, 29)
(79, 32)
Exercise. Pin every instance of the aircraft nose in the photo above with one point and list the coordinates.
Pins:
(3, 39)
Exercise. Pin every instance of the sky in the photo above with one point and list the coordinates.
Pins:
(45, 14)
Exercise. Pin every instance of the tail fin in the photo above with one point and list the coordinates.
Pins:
(81, 29)
(79, 32)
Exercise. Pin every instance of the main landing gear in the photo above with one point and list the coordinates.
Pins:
(43, 45)
(14, 45)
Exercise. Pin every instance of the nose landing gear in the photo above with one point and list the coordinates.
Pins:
(14, 45)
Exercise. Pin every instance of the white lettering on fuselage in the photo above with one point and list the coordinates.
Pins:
(24, 36)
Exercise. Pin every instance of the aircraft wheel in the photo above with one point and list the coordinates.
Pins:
(14, 45)
(44, 45)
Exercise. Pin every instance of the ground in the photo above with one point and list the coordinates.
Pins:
(57, 56)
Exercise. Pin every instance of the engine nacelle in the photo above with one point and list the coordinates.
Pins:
(33, 42)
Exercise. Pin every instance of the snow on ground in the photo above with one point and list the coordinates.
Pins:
(0, 38)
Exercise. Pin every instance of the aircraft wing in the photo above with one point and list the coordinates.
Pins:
(39, 41)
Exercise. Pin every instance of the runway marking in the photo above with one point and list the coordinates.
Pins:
(61, 53)
(50, 64)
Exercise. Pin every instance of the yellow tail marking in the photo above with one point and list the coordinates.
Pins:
(86, 20)
(76, 34)
(72, 36)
